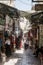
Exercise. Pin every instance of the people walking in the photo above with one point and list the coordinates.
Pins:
(26, 43)
(8, 47)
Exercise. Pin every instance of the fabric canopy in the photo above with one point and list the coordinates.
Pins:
(5, 9)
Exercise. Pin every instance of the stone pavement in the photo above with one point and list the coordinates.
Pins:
(22, 57)
(28, 59)
(14, 58)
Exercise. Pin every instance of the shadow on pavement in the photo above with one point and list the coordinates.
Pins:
(14, 56)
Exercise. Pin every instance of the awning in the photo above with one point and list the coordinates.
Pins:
(5, 9)
(37, 17)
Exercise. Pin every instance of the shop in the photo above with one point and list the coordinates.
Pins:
(37, 28)
(7, 18)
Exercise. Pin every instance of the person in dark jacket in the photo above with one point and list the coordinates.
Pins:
(8, 47)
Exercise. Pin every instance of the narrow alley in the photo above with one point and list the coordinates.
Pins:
(21, 32)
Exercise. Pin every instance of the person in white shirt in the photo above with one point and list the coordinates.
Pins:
(7, 42)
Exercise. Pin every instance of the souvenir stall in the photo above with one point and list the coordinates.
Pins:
(8, 18)
(37, 28)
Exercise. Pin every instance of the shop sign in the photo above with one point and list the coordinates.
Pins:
(38, 7)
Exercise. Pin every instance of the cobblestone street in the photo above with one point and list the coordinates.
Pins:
(22, 57)
(28, 59)
(21, 32)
